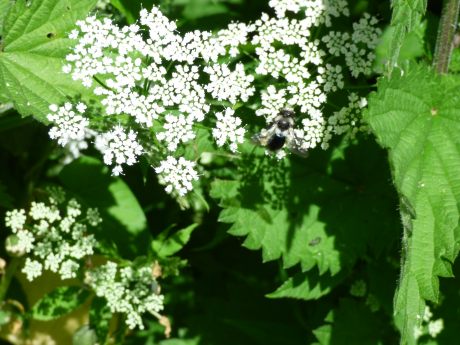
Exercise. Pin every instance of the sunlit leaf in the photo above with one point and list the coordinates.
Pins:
(33, 49)
(417, 117)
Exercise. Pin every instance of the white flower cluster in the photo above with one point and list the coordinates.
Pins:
(347, 121)
(127, 290)
(228, 129)
(53, 240)
(137, 85)
(177, 175)
(119, 147)
(162, 84)
(304, 79)
(70, 128)
(229, 85)
(428, 326)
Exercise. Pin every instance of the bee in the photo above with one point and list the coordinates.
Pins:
(280, 133)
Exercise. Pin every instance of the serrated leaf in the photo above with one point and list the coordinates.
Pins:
(416, 116)
(412, 47)
(34, 46)
(406, 16)
(124, 220)
(308, 215)
(60, 301)
(307, 286)
(164, 246)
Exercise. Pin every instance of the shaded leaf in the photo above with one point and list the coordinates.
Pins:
(124, 220)
(99, 318)
(307, 286)
(60, 301)
(164, 246)
(353, 323)
(305, 214)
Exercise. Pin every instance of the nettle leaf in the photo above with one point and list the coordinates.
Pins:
(34, 46)
(4, 7)
(407, 15)
(164, 245)
(417, 118)
(311, 213)
(124, 220)
(307, 286)
(60, 301)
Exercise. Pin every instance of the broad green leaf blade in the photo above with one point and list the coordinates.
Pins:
(407, 15)
(311, 214)
(59, 302)
(307, 286)
(417, 117)
(4, 8)
(164, 247)
(124, 220)
(35, 44)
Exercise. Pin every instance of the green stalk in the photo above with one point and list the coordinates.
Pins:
(8, 276)
(446, 32)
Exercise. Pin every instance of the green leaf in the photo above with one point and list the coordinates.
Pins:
(412, 47)
(407, 15)
(310, 214)
(60, 301)
(130, 9)
(164, 246)
(124, 220)
(197, 9)
(416, 117)
(353, 323)
(307, 286)
(4, 7)
(99, 318)
(35, 44)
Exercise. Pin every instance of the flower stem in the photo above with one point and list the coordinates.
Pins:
(446, 32)
(8, 276)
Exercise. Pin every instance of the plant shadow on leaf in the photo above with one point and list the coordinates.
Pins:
(124, 222)
(328, 210)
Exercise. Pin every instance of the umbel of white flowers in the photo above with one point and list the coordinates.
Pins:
(127, 290)
(53, 237)
(159, 111)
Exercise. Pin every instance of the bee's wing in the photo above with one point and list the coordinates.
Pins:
(262, 137)
(299, 151)
(295, 145)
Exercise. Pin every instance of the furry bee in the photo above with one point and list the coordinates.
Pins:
(280, 133)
